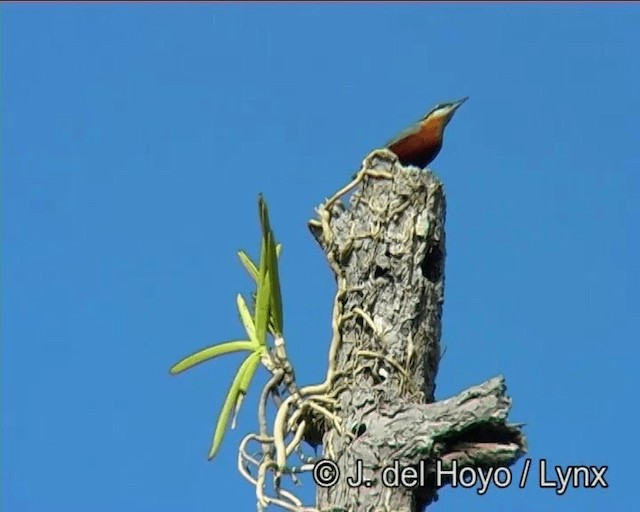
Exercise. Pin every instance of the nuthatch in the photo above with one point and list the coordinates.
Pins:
(421, 143)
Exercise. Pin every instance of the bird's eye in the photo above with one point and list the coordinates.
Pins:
(438, 107)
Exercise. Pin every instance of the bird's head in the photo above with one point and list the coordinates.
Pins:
(443, 112)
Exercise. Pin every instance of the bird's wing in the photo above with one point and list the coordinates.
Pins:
(404, 133)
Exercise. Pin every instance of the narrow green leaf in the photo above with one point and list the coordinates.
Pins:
(245, 381)
(262, 309)
(263, 293)
(274, 277)
(256, 357)
(269, 264)
(262, 271)
(229, 403)
(264, 226)
(264, 215)
(245, 316)
(249, 265)
(210, 353)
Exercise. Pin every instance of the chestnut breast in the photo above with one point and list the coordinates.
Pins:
(418, 145)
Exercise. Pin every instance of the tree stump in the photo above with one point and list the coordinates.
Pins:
(386, 248)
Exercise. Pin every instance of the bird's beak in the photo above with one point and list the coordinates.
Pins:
(457, 104)
(452, 109)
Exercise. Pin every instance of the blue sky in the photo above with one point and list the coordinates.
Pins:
(135, 139)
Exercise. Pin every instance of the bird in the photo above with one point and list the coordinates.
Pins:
(421, 143)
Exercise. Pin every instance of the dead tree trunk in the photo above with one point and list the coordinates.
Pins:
(387, 251)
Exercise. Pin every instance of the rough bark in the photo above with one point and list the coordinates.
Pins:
(387, 251)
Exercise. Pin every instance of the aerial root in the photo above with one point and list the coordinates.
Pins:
(291, 412)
